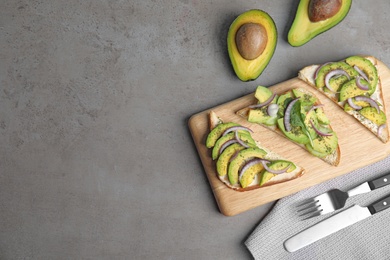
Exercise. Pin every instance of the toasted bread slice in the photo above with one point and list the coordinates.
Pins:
(214, 120)
(294, 171)
(332, 158)
(379, 127)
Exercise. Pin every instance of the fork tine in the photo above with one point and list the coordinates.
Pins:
(307, 204)
(314, 207)
(308, 210)
(315, 214)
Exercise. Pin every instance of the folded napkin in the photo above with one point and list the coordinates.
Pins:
(367, 239)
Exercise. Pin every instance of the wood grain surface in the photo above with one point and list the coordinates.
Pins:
(359, 148)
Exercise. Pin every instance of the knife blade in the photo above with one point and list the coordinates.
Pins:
(334, 223)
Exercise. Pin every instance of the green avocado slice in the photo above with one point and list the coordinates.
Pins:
(283, 101)
(243, 135)
(372, 114)
(239, 160)
(262, 94)
(367, 68)
(296, 134)
(325, 144)
(335, 82)
(276, 165)
(249, 175)
(216, 133)
(226, 156)
(350, 90)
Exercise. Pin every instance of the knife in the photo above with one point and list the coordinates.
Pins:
(334, 223)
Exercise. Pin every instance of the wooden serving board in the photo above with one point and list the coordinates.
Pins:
(359, 148)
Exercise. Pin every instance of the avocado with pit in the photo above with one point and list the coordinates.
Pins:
(367, 68)
(251, 43)
(276, 165)
(240, 159)
(314, 17)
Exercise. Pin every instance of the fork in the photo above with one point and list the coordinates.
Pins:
(335, 199)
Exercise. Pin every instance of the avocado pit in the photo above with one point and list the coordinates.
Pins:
(320, 10)
(251, 40)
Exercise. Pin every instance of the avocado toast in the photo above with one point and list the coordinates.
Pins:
(354, 85)
(242, 163)
(297, 115)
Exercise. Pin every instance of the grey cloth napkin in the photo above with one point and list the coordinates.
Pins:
(367, 239)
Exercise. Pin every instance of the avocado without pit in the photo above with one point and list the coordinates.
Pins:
(314, 17)
(251, 43)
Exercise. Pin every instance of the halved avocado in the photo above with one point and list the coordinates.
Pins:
(251, 43)
(314, 17)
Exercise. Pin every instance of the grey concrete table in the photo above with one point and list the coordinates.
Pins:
(96, 160)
